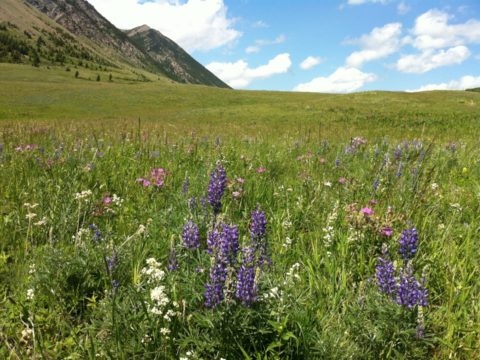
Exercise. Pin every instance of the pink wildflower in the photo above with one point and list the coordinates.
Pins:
(387, 231)
(342, 180)
(366, 211)
(261, 170)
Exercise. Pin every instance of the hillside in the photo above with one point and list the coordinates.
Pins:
(61, 32)
(28, 93)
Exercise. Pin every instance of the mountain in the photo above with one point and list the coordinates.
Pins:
(73, 32)
(176, 62)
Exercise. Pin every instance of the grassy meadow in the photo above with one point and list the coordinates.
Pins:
(121, 238)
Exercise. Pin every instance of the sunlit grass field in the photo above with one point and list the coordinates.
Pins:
(96, 260)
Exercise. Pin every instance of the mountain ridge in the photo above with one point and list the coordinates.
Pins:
(73, 32)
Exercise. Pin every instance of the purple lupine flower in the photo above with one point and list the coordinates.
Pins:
(376, 183)
(111, 262)
(216, 188)
(385, 275)
(246, 289)
(97, 234)
(213, 239)
(191, 235)
(172, 260)
(337, 162)
(185, 185)
(408, 243)
(258, 230)
(192, 203)
(397, 153)
(223, 241)
(214, 288)
(410, 291)
(400, 169)
(258, 227)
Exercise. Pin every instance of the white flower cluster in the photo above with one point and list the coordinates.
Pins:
(355, 235)
(292, 274)
(30, 294)
(84, 195)
(81, 234)
(329, 231)
(154, 275)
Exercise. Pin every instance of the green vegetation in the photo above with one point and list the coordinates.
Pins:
(334, 175)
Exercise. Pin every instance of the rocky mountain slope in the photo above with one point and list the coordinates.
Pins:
(73, 32)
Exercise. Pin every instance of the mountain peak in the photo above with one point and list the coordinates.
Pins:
(139, 29)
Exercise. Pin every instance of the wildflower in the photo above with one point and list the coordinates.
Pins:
(410, 291)
(327, 184)
(236, 194)
(144, 182)
(191, 235)
(107, 200)
(97, 234)
(216, 188)
(434, 186)
(172, 260)
(408, 243)
(366, 211)
(30, 216)
(399, 170)
(342, 180)
(385, 274)
(185, 185)
(240, 180)
(329, 231)
(153, 272)
(261, 170)
(214, 288)
(246, 288)
(337, 162)
(30, 294)
(376, 183)
(84, 195)
(322, 161)
(258, 230)
(387, 231)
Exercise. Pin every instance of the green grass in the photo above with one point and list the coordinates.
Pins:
(89, 138)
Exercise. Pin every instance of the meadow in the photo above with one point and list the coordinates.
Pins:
(150, 220)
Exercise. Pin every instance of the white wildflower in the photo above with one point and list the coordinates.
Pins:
(41, 222)
(434, 186)
(30, 294)
(327, 184)
(30, 216)
(164, 331)
(288, 242)
(329, 230)
(32, 269)
(84, 195)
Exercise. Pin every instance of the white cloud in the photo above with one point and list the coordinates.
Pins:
(261, 43)
(379, 43)
(259, 24)
(343, 80)
(431, 59)
(361, 2)
(240, 75)
(465, 82)
(402, 8)
(194, 24)
(432, 31)
(310, 62)
(252, 49)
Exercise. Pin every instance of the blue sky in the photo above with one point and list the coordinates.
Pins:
(352, 45)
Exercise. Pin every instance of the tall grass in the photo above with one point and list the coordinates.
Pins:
(72, 284)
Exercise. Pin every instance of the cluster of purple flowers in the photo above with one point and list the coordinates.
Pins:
(216, 188)
(410, 291)
(405, 289)
(223, 245)
(408, 243)
(191, 235)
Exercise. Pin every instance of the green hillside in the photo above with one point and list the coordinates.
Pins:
(30, 94)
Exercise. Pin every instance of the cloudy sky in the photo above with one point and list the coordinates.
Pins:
(320, 46)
